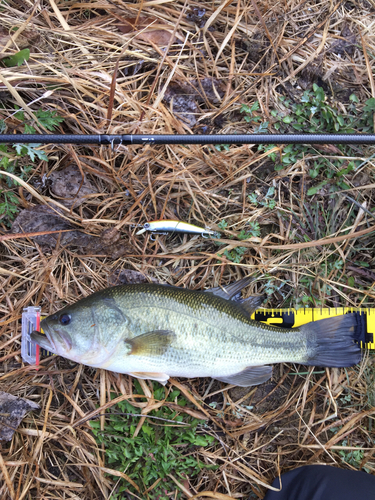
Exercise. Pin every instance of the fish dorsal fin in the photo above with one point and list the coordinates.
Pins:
(229, 291)
(252, 375)
(251, 304)
(153, 343)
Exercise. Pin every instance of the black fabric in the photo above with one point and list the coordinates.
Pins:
(360, 334)
(323, 482)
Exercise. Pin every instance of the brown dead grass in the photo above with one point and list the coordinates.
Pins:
(103, 76)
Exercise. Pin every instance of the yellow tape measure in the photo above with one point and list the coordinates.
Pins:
(292, 318)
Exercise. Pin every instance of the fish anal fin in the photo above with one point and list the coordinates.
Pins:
(162, 378)
(153, 343)
(252, 375)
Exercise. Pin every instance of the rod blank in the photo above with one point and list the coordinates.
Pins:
(188, 139)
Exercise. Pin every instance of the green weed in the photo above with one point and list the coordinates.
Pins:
(314, 114)
(266, 201)
(352, 457)
(223, 225)
(271, 286)
(16, 160)
(16, 59)
(161, 447)
(235, 255)
(254, 230)
(49, 119)
(249, 117)
(9, 206)
(222, 147)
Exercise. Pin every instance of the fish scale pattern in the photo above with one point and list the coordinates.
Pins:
(213, 335)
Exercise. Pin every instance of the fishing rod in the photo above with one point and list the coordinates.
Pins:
(127, 139)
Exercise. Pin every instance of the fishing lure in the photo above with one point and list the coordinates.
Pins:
(175, 226)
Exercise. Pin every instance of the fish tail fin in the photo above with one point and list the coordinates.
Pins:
(331, 341)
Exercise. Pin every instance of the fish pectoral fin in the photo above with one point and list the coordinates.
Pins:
(252, 375)
(162, 378)
(231, 290)
(153, 343)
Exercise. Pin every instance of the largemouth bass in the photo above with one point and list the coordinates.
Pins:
(156, 331)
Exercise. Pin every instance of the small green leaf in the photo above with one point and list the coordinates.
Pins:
(17, 59)
(253, 198)
(200, 441)
(370, 105)
(20, 115)
(49, 119)
(29, 149)
(254, 229)
(263, 127)
(343, 185)
(255, 106)
(223, 225)
(29, 129)
(287, 119)
(363, 264)
(147, 430)
(313, 190)
(287, 159)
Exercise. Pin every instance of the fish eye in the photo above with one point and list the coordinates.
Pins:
(65, 319)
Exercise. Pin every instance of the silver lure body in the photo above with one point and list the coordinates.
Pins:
(175, 226)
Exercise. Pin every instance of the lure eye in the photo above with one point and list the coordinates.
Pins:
(65, 319)
(147, 225)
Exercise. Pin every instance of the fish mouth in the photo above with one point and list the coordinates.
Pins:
(52, 340)
(43, 341)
